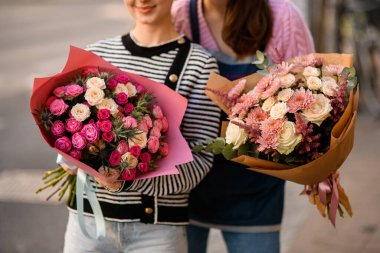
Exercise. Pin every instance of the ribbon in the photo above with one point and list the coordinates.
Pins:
(326, 187)
(84, 186)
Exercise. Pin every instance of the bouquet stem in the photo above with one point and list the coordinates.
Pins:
(53, 177)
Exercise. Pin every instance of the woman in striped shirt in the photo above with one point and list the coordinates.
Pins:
(149, 215)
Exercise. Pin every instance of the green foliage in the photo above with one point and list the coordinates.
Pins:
(228, 152)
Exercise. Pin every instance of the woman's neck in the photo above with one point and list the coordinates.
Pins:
(217, 7)
(151, 35)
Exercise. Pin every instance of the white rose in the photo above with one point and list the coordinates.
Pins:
(279, 110)
(287, 80)
(80, 112)
(120, 87)
(311, 71)
(94, 95)
(314, 83)
(139, 139)
(329, 86)
(236, 135)
(95, 82)
(288, 139)
(285, 94)
(130, 159)
(110, 104)
(132, 91)
(319, 110)
(268, 104)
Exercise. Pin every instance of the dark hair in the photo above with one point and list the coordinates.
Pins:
(248, 26)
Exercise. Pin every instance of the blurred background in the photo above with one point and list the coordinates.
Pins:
(34, 42)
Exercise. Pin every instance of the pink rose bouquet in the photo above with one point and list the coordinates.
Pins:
(114, 125)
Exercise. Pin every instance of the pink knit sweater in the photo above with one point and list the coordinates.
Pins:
(290, 37)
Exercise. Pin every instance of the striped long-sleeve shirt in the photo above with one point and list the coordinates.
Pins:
(164, 199)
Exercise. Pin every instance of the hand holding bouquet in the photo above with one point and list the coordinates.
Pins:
(296, 123)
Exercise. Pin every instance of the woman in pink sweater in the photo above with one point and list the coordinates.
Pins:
(245, 205)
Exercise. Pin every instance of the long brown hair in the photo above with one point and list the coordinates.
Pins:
(248, 26)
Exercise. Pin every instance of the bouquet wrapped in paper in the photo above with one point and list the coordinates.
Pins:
(295, 122)
(114, 125)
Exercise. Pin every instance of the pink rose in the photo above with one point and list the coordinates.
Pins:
(50, 100)
(121, 98)
(90, 70)
(105, 125)
(158, 123)
(148, 120)
(135, 150)
(91, 132)
(129, 174)
(63, 144)
(128, 108)
(155, 131)
(122, 79)
(143, 167)
(59, 91)
(58, 107)
(57, 129)
(143, 127)
(111, 84)
(76, 154)
(108, 136)
(115, 158)
(165, 124)
(73, 90)
(164, 149)
(129, 122)
(157, 112)
(73, 125)
(122, 147)
(153, 144)
(145, 157)
(140, 89)
(104, 114)
(79, 141)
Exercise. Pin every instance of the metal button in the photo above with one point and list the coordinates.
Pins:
(148, 210)
(173, 78)
(181, 41)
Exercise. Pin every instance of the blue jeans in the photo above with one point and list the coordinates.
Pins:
(268, 242)
(124, 237)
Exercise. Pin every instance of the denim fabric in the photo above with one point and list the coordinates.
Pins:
(122, 237)
(236, 242)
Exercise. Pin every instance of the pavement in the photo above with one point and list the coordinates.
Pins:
(34, 42)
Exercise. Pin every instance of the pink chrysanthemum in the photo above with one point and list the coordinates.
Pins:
(270, 128)
(309, 60)
(300, 100)
(255, 117)
(282, 69)
(246, 102)
(235, 92)
(267, 86)
(335, 70)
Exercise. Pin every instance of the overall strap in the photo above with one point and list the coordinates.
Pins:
(194, 21)
(175, 71)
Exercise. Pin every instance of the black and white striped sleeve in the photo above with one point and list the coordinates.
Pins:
(200, 123)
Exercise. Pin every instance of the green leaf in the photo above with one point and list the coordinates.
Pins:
(209, 147)
(243, 149)
(351, 83)
(228, 152)
(197, 148)
(218, 146)
(351, 71)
